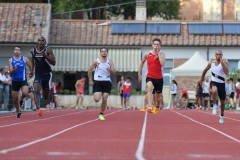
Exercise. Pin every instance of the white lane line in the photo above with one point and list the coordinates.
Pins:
(210, 156)
(5, 151)
(66, 153)
(238, 120)
(14, 124)
(13, 113)
(214, 129)
(139, 152)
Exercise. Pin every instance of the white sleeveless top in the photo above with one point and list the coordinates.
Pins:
(101, 73)
(217, 70)
(174, 89)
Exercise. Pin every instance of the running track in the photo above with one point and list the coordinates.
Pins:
(71, 134)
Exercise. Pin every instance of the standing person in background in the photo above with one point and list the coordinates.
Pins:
(174, 93)
(18, 71)
(219, 69)
(59, 87)
(80, 92)
(238, 92)
(53, 103)
(127, 92)
(206, 94)
(199, 96)
(154, 81)
(2, 83)
(42, 60)
(120, 89)
(6, 90)
(30, 92)
(232, 92)
(102, 84)
(228, 92)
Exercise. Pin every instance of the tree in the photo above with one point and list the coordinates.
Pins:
(125, 8)
(77, 8)
(164, 9)
(100, 9)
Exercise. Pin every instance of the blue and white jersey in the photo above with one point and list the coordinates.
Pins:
(101, 73)
(20, 73)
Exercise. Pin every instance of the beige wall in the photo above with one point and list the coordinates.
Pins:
(210, 9)
(113, 100)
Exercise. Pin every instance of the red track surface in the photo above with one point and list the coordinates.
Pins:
(125, 134)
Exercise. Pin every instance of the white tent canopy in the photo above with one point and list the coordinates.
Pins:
(192, 67)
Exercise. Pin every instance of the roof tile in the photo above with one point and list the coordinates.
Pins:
(18, 25)
(18, 21)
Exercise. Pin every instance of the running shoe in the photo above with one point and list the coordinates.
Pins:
(40, 112)
(142, 110)
(101, 117)
(221, 120)
(149, 109)
(155, 110)
(214, 110)
(18, 114)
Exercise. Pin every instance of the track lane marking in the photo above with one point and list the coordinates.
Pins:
(225, 117)
(28, 113)
(14, 124)
(214, 129)
(139, 152)
(5, 151)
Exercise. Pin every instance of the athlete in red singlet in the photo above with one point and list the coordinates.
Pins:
(80, 91)
(154, 81)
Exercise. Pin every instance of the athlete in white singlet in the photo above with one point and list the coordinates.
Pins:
(101, 83)
(219, 71)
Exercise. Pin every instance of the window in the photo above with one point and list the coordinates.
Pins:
(128, 28)
(231, 28)
(167, 67)
(3, 62)
(205, 28)
(232, 65)
(163, 28)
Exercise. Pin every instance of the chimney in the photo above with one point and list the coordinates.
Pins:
(141, 11)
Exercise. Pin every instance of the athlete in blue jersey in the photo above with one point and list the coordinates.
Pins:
(42, 61)
(18, 71)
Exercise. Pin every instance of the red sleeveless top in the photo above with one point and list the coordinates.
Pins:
(154, 66)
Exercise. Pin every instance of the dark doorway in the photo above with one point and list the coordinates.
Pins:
(69, 81)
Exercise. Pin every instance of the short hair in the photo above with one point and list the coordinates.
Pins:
(157, 39)
(231, 79)
(17, 47)
(103, 48)
(218, 51)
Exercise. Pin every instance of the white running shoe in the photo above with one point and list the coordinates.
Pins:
(214, 110)
(221, 120)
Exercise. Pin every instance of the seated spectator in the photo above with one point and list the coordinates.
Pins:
(183, 99)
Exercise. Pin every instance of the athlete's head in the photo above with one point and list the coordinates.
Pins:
(17, 51)
(218, 55)
(156, 44)
(104, 52)
(41, 42)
